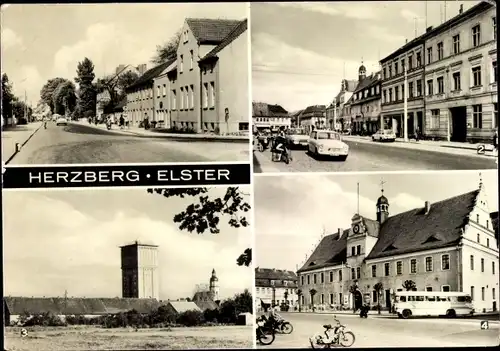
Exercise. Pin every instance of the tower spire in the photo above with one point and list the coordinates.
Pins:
(480, 180)
(358, 199)
(382, 182)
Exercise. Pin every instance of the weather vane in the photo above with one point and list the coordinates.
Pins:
(382, 182)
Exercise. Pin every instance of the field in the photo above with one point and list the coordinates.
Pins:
(92, 338)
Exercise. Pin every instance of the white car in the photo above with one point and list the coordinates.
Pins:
(297, 137)
(62, 121)
(327, 143)
(384, 135)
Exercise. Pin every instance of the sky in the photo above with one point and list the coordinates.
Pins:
(40, 42)
(291, 212)
(302, 51)
(69, 240)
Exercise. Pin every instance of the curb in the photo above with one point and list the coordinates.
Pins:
(24, 143)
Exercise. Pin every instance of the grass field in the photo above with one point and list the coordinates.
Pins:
(92, 338)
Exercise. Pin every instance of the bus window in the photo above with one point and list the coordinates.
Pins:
(420, 298)
(411, 298)
(402, 299)
(431, 298)
(461, 298)
(442, 298)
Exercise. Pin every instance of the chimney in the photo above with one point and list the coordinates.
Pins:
(406, 41)
(461, 9)
(428, 29)
(340, 234)
(427, 207)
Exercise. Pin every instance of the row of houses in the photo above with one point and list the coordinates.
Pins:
(204, 88)
(275, 287)
(451, 84)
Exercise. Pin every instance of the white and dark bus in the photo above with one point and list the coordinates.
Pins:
(433, 303)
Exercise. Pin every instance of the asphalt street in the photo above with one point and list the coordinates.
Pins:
(389, 331)
(373, 157)
(76, 144)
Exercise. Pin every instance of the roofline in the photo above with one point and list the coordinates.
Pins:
(139, 244)
(215, 57)
(412, 251)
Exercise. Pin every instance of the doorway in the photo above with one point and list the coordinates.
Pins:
(458, 123)
(388, 298)
(420, 121)
(411, 124)
(358, 300)
(494, 306)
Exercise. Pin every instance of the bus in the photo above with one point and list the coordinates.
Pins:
(433, 303)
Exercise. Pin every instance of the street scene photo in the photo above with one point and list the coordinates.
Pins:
(377, 260)
(125, 83)
(130, 269)
(374, 86)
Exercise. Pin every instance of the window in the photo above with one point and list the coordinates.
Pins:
(472, 293)
(390, 71)
(322, 299)
(174, 100)
(494, 71)
(494, 297)
(429, 55)
(482, 265)
(428, 264)
(302, 280)
(445, 262)
(445, 288)
(440, 82)
(403, 91)
(410, 89)
(419, 59)
(358, 272)
(477, 218)
(322, 277)
(340, 275)
(331, 299)
(164, 90)
(191, 59)
(430, 86)
(158, 91)
(212, 94)
(353, 251)
(358, 250)
(315, 280)
(181, 105)
(385, 73)
(410, 62)
(487, 242)
(374, 271)
(419, 88)
(471, 262)
(377, 89)
(478, 238)
(413, 266)
(181, 63)
(396, 68)
(440, 50)
(494, 22)
(387, 269)
(374, 296)
(482, 293)
(456, 44)
(331, 276)
(390, 94)
(399, 268)
(495, 115)
(191, 91)
(476, 36)
(493, 267)
(476, 76)
(456, 81)
(477, 116)
(429, 288)
(396, 93)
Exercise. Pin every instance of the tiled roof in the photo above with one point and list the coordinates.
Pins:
(204, 300)
(149, 75)
(274, 274)
(367, 82)
(211, 31)
(494, 223)
(414, 231)
(77, 306)
(183, 306)
(267, 110)
(235, 33)
(314, 109)
(330, 251)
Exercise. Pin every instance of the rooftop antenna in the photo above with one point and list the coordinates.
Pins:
(358, 198)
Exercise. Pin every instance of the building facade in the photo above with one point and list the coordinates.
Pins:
(162, 99)
(273, 117)
(450, 245)
(334, 112)
(275, 287)
(140, 276)
(461, 77)
(313, 117)
(365, 104)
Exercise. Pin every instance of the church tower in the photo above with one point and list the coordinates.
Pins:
(214, 286)
(382, 207)
(361, 72)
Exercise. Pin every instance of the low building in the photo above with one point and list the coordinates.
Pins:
(267, 116)
(14, 307)
(163, 98)
(313, 117)
(365, 105)
(275, 287)
(461, 77)
(334, 115)
(450, 245)
(178, 307)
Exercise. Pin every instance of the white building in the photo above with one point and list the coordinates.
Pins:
(275, 287)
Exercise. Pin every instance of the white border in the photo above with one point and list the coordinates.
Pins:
(151, 164)
(371, 173)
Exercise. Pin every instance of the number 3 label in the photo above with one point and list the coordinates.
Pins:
(480, 149)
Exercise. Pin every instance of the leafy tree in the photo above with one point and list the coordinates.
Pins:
(124, 80)
(7, 97)
(87, 93)
(206, 214)
(299, 294)
(116, 86)
(64, 98)
(47, 92)
(378, 290)
(409, 285)
(168, 50)
(312, 292)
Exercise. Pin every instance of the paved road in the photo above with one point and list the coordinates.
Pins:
(389, 331)
(78, 143)
(373, 157)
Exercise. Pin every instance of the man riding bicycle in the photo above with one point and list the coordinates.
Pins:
(274, 316)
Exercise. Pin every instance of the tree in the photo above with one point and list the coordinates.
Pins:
(206, 214)
(64, 98)
(87, 93)
(124, 80)
(312, 292)
(378, 289)
(47, 92)
(7, 97)
(168, 50)
(299, 294)
(409, 285)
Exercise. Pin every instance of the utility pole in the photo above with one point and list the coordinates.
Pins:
(335, 113)
(405, 105)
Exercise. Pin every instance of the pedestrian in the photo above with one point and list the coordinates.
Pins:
(417, 134)
(495, 140)
(122, 122)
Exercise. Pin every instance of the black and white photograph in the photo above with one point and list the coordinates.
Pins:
(377, 260)
(133, 269)
(374, 86)
(125, 83)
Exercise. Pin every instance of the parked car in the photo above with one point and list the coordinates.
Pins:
(297, 137)
(327, 143)
(384, 135)
(62, 121)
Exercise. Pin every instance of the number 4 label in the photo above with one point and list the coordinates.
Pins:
(485, 325)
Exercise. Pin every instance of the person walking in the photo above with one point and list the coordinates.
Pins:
(417, 134)
(122, 122)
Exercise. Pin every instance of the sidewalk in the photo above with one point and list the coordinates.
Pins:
(161, 134)
(19, 134)
(448, 147)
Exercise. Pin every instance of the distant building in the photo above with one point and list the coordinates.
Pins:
(208, 299)
(450, 245)
(313, 117)
(140, 277)
(365, 105)
(267, 116)
(295, 118)
(334, 112)
(275, 287)
(178, 307)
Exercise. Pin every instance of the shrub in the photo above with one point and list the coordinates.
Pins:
(191, 318)
(162, 316)
(80, 320)
(212, 316)
(46, 319)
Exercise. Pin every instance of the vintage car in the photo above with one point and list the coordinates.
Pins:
(384, 135)
(297, 137)
(62, 121)
(327, 143)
